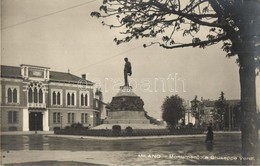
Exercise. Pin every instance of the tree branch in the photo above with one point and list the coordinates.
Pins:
(205, 42)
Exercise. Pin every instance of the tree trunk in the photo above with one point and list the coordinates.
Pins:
(249, 133)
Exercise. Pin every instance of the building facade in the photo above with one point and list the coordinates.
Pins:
(36, 98)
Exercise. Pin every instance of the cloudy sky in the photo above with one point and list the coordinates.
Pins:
(62, 35)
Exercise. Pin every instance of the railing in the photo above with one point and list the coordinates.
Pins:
(36, 105)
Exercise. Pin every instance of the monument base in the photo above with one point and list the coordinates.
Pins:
(126, 109)
(126, 117)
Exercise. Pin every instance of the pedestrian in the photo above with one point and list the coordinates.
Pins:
(209, 136)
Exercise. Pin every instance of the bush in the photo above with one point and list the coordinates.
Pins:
(129, 130)
(56, 128)
(76, 125)
(116, 130)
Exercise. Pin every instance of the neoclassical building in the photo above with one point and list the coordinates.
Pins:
(36, 98)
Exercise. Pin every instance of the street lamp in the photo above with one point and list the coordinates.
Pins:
(61, 122)
(35, 116)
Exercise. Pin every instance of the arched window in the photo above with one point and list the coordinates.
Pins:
(72, 99)
(68, 99)
(30, 94)
(40, 96)
(9, 95)
(58, 98)
(82, 99)
(15, 95)
(35, 95)
(54, 98)
(86, 99)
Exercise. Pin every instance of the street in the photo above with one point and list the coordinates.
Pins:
(46, 150)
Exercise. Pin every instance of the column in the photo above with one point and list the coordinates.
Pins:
(25, 119)
(45, 120)
(91, 119)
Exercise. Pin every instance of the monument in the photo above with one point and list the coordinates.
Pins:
(126, 108)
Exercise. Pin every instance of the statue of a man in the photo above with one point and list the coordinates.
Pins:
(127, 71)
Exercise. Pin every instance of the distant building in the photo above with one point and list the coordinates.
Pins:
(205, 110)
(207, 114)
(36, 98)
(231, 116)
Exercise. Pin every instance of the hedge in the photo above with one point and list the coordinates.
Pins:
(128, 132)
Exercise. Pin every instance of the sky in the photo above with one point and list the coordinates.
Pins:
(62, 35)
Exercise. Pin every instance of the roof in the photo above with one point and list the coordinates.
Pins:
(67, 78)
(55, 76)
(42, 67)
(11, 71)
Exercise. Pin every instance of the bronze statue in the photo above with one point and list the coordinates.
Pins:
(127, 71)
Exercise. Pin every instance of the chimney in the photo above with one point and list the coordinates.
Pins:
(83, 76)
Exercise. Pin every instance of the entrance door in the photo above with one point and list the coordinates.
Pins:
(35, 121)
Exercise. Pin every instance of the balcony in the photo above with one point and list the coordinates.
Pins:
(36, 105)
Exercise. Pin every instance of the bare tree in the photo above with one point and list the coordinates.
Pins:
(235, 23)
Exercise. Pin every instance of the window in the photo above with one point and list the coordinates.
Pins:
(68, 99)
(12, 94)
(12, 117)
(15, 96)
(71, 98)
(35, 95)
(56, 117)
(30, 93)
(40, 96)
(56, 97)
(84, 118)
(84, 99)
(71, 117)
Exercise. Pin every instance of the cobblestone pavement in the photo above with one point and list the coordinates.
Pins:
(45, 150)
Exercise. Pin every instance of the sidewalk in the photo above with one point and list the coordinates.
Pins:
(26, 132)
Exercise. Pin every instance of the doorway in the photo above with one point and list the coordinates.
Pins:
(35, 121)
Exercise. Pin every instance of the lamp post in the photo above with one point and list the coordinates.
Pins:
(229, 118)
(61, 122)
(35, 116)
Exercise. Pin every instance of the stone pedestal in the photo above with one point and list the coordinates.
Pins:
(126, 108)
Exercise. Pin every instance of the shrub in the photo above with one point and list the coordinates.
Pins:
(129, 130)
(76, 125)
(116, 129)
(56, 128)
